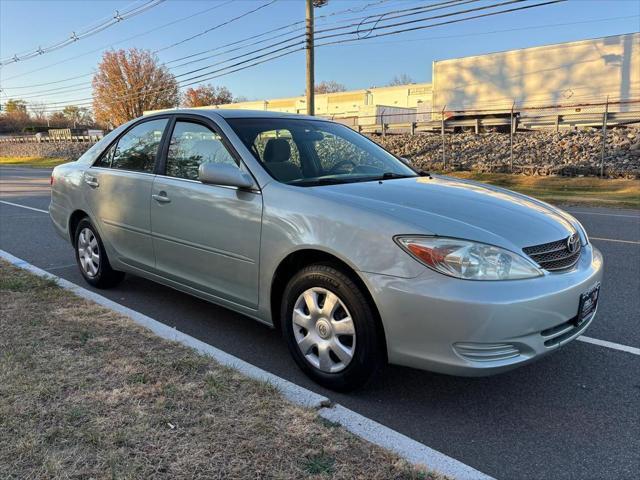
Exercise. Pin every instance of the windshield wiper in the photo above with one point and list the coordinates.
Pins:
(390, 175)
(310, 182)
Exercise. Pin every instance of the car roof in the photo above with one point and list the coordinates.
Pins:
(234, 113)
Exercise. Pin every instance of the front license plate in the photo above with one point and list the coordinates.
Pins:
(588, 303)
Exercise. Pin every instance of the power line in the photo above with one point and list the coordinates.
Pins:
(395, 32)
(188, 39)
(474, 34)
(369, 5)
(391, 15)
(439, 37)
(199, 78)
(65, 88)
(104, 47)
(357, 31)
(116, 18)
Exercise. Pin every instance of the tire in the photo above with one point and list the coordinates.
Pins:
(92, 257)
(327, 362)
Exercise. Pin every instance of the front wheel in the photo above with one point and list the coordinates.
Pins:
(92, 257)
(331, 328)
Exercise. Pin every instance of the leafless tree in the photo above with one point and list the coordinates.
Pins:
(38, 111)
(402, 79)
(330, 86)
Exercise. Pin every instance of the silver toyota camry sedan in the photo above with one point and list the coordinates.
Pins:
(309, 227)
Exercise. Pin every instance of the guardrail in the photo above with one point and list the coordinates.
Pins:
(529, 122)
(51, 139)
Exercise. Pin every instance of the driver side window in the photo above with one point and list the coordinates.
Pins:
(336, 153)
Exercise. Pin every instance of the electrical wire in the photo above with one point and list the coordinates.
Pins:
(117, 18)
(199, 78)
(104, 47)
(369, 5)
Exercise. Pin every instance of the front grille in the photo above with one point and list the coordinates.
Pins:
(556, 255)
(557, 335)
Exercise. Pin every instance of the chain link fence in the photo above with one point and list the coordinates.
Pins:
(600, 138)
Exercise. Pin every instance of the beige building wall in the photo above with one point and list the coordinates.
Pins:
(345, 104)
(586, 71)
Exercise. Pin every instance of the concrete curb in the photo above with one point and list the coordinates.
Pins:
(409, 449)
(368, 429)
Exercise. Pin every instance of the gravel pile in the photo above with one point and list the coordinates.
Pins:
(572, 152)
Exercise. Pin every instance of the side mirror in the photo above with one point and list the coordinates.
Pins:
(222, 174)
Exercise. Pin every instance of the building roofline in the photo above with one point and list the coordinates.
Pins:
(547, 45)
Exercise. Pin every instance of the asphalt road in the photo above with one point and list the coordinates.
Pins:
(574, 414)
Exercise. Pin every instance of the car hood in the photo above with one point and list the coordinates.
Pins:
(446, 206)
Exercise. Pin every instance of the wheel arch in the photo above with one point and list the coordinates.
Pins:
(297, 260)
(74, 220)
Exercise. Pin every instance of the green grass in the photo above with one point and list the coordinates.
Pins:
(34, 162)
(568, 190)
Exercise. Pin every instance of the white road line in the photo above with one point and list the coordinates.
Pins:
(615, 346)
(376, 433)
(604, 214)
(615, 240)
(24, 206)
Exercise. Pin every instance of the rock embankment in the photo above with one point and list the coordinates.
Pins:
(573, 152)
(69, 150)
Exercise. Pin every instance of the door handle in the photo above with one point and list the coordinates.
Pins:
(91, 181)
(161, 197)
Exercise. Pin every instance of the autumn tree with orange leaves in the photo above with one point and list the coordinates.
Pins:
(128, 82)
(204, 95)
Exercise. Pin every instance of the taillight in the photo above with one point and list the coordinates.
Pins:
(51, 180)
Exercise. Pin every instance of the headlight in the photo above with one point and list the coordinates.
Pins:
(468, 260)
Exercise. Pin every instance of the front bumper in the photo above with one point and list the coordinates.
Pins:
(474, 328)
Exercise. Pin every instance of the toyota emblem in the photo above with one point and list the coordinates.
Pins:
(573, 243)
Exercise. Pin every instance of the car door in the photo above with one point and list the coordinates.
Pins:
(205, 236)
(118, 192)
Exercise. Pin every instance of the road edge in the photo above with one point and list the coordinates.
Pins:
(366, 428)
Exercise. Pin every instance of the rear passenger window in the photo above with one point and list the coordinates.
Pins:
(137, 149)
(191, 145)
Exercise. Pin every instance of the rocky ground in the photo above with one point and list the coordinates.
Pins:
(543, 152)
(571, 152)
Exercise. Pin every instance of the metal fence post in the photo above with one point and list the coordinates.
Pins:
(604, 137)
(444, 157)
(511, 139)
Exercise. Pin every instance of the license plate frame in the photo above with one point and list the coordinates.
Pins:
(588, 304)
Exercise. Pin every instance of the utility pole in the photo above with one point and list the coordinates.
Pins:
(310, 73)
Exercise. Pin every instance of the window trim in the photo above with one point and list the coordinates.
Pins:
(127, 130)
(212, 125)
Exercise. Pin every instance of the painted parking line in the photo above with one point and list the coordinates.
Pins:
(635, 242)
(24, 206)
(603, 214)
(614, 346)
(364, 427)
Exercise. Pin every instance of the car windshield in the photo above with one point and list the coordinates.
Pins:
(309, 152)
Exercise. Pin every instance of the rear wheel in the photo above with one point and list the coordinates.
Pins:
(330, 328)
(92, 258)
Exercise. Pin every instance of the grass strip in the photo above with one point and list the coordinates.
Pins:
(86, 393)
(33, 162)
(567, 190)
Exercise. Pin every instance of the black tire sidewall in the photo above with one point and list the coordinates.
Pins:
(367, 358)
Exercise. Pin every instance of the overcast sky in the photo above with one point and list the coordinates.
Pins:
(26, 25)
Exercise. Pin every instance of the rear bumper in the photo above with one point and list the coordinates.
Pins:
(474, 328)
